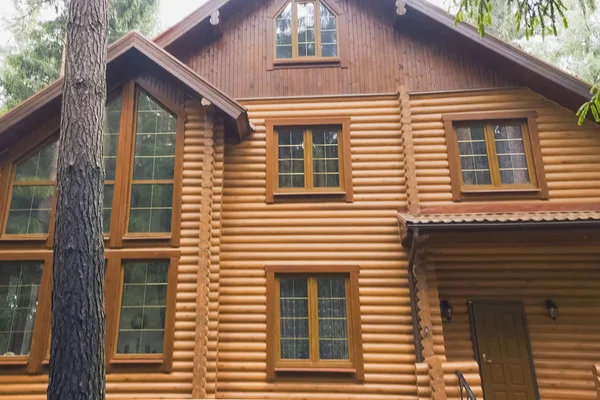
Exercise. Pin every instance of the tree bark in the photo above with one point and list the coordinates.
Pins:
(77, 367)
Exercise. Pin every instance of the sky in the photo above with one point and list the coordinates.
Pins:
(171, 12)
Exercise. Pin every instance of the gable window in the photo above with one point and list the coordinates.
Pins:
(308, 159)
(306, 30)
(112, 131)
(32, 193)
(313, 314)
(494, 154)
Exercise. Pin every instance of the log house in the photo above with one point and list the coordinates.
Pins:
(321, 199)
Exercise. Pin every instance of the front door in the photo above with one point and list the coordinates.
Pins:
(501, 344)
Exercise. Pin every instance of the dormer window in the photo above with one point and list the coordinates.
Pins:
(305, 31)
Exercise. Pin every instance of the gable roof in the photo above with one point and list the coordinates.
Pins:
(235, 114)
(419, 15)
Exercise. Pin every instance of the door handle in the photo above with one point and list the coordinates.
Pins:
(485, 359)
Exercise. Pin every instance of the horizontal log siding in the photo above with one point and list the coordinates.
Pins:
(564, 351)
(178, 383)
(363, 233)
(571, 153)
(380, 58)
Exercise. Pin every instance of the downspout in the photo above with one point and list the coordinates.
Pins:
(412, 287)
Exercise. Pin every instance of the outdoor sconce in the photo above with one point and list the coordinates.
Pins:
(552, 309)
(446, 310)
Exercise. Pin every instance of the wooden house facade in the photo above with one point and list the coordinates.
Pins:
(321, 199)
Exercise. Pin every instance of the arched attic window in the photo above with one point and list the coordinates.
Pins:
(306, 31)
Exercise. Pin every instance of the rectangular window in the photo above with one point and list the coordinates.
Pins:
(32, 194)
(304, 160)
(143, 307)
(19, 293)
(313, 323)
(494, 156)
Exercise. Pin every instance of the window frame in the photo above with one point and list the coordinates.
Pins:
(32, 363)
(344, 191)
(114, 292)
(8, 170)
(296, 61)
(536, 189)
(275, 365)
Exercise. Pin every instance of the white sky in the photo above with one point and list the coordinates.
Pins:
(171, 12)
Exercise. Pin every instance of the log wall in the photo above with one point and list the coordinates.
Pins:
(379, 58)
(564, 351)
(363, 233)
(571, 154)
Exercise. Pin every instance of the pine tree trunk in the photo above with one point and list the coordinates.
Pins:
(77, 367)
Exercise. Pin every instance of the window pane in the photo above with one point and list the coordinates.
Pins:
(143, 307)
(333, 328)
(40, 167)
(326, 171)
(293, 300)
(107, 210)
(30, 208)
(473, 155)
(283, 32)
(511, 154)
(291, 158)
(328, 33)
(306, 29)
(19, 290)
(151, 204)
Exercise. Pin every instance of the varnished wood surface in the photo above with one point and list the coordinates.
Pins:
(570, 154)
(565, 350)
(379, 58)
(255, 234)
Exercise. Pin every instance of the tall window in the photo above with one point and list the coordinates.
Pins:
(313, 322)
(32, 193)
(305, 30)
(112, 130)
(493, 156)
(309, 159)
(19, 292)
(153, 168)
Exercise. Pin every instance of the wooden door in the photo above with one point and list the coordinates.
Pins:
(501, 343)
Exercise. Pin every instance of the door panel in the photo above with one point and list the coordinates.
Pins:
(502, 347)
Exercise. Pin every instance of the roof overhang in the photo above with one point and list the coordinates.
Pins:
(132, 47)
(433, 224)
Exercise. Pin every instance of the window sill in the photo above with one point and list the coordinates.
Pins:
(309, 63)
(138, 360)
(330, 195)
(147, 237)
(500, 194)
(13, 361)
(24, 238)
(331, 370)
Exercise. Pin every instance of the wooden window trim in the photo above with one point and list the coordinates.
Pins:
(32, 363)
(307, 62)
(538, 189)
(119, 235)
(345, 191)
(114, 292)
(356, 364)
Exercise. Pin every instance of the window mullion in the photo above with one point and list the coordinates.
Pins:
(490, 143)
(317, 28)
(308, 160)
(294, 30)
(313, 320)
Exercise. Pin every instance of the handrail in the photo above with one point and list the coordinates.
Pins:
(464, 386)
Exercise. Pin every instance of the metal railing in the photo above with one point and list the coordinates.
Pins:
(464, 387)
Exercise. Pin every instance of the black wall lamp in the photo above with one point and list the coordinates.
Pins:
(552, 309)
(446, 310)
